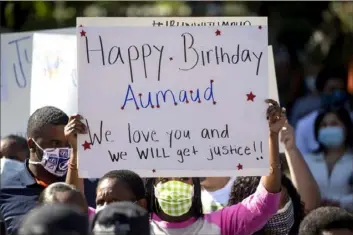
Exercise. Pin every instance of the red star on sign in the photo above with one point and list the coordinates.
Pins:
(153, 170)
(86, 145)
(260, 27)
(83, 33)
(218, 33)
(251, 97)
(240, 166)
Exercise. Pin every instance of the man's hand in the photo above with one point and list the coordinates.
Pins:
(74, 127)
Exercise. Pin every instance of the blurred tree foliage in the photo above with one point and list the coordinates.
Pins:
(291, 23)
(312, 29)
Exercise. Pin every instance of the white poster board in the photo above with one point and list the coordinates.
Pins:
(170, 21)
(190, 21)
(16, 57)
(179, 95)
(54, 72)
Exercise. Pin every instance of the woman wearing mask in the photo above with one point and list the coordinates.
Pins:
(291, 210)
(176, 208)
(332, 164)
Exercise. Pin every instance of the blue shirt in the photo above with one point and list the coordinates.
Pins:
(21, 193)
(15, 203)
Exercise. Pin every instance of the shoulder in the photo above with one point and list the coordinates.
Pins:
(20, 177)
(308, 119)
(313, 156)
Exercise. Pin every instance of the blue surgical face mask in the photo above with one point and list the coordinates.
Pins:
(331, 137)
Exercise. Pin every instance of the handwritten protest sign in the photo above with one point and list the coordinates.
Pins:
(16, 62)
(54, 72)
(190, 21)
(170, 21)
(182, 104)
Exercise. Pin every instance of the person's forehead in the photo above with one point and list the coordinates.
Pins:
(52, 131)
(113, 184)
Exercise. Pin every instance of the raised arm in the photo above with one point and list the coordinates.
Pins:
(74, 127)
(254, 211)
(276, 120)
(300, 173)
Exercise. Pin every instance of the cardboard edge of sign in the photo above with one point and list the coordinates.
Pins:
(190, 173)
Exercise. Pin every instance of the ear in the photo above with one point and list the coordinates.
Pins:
(142, 203)
(31, 145)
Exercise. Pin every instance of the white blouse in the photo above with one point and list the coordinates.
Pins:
(338, 186)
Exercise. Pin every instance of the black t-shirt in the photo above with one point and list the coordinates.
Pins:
(90, 191)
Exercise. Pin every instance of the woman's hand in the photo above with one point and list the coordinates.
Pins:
(276, 116)
(287, 137)
(74, 127)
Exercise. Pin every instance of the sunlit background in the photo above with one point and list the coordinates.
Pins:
(305, 35)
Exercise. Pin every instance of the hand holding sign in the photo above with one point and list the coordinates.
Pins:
(74, 127)
(276, 116)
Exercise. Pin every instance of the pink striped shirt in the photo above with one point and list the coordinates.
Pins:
(243, 218)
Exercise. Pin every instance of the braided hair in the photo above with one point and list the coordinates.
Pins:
(243, 187)
(298, 205)
(153, 206)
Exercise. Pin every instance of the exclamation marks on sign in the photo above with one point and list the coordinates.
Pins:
(260, 148)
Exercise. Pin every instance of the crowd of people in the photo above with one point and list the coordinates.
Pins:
(309, 189)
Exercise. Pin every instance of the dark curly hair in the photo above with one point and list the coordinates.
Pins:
(152, 203)
(44, 116)
(326, 218)
(243, 187)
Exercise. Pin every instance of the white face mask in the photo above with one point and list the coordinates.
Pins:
(281, 223)
(54, 160)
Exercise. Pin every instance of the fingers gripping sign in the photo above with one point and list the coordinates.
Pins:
(276, 116)
(74, 127)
